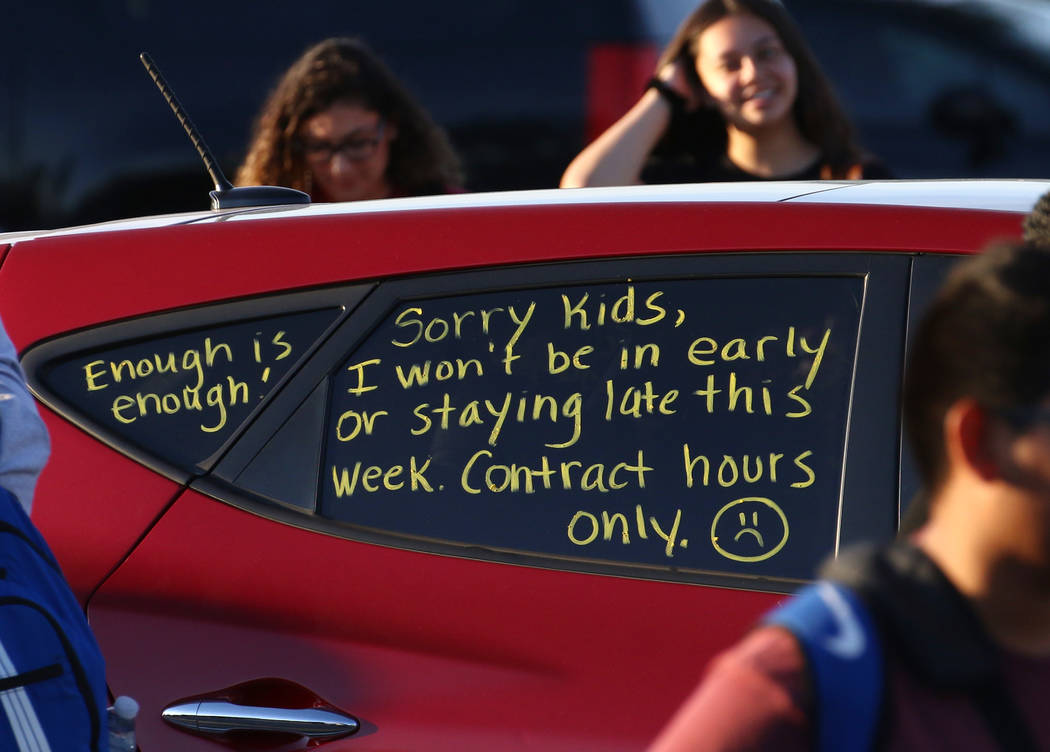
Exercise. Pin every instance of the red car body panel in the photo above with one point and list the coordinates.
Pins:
(94, 504)
(442, 653)
(192, 264)
(189, 595)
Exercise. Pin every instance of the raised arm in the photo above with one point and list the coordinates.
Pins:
(617, 156)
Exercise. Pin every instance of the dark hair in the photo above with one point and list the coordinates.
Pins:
(987, 337)
(346, 70)
(1037, 223)
(817, 111)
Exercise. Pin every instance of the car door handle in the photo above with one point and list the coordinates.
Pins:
(223, 717)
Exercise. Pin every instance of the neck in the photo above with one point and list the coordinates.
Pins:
(770, 152)
(383, 189)
(1009, 589)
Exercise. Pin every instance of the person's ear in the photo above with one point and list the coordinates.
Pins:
(969, 439)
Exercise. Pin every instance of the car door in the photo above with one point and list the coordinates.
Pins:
(512, 508)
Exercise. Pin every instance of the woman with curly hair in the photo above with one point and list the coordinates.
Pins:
(341, 127)
(737, 95)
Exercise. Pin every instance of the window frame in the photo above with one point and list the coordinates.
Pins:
(872, 437)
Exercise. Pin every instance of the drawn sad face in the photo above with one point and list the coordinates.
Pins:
(749, 529)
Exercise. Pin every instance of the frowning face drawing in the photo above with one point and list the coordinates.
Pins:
(750, 529)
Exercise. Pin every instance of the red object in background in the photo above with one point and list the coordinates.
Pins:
(616, 77)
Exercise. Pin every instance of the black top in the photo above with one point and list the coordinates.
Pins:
(934, 630)
(685, 169)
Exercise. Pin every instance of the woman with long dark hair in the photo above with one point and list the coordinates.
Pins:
(738, 95)
(341, 127)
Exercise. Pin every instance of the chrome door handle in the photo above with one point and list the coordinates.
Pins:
(223, 717)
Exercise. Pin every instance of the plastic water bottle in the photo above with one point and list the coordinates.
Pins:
(121, 717)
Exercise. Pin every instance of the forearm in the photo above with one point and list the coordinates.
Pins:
(618, 155)
(24, 443)
(755, 697)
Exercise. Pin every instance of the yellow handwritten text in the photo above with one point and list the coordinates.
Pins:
(127, 409)
(706, 351)
(567, 475)
(647, 354)
(558, 361)
(623, 310)
(100, 374)
(372, 478)
(737, 396)
(636, 401)
(534, 408)
(418, 374)
(749, 468)
(358, 369)
(352, 422)
(437, 328)
(584, 528)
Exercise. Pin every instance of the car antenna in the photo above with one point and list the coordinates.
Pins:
(225, 195)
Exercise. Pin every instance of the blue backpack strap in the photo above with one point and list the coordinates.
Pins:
(842, 647)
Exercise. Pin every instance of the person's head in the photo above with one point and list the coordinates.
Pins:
(340, 126)
(978, 377)
(755, 71)
(1037, 223)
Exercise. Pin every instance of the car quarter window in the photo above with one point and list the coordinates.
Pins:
(168, 388)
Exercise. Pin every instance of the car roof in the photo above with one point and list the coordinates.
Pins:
(120, 269)
(1015, 196)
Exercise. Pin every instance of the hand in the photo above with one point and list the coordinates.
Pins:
(675, 75)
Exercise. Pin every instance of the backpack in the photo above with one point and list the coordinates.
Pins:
(894, 598)
(844, 656)
(52, 676)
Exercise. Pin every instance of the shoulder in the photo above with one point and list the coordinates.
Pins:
(755, 696)
(868, 167)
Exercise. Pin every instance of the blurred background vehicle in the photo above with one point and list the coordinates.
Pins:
(938, 88)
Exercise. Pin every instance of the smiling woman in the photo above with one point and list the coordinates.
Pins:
(341, 127)
(737, 96)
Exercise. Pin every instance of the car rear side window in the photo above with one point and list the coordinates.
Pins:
(687, 424)
(180, 395)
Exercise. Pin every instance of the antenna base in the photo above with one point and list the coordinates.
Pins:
(256, 195)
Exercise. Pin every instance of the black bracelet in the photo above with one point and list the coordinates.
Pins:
(674, 100)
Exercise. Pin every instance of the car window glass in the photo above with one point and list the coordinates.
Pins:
(181, 395)
(675, 424)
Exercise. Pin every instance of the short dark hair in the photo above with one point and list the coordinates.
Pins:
(987, 337)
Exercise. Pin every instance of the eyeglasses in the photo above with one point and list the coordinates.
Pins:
(354, 147)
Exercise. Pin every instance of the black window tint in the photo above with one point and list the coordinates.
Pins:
(671, 424)
(181, 395)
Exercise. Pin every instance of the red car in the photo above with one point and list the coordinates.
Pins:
(470, 472)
